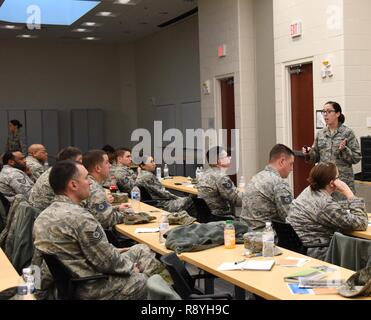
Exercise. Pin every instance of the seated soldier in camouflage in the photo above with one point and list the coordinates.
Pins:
(316, 216)
(37, 156)
(267, 195)
(125, 176)
(98, 166)
(41, 195)
(216, 187)
(73, 234)
(15, 176)
(149, 181)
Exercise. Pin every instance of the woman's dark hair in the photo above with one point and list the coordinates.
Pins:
(321, 175)
(144, 160)
(62, 172)
(337, 109)
(16, 123)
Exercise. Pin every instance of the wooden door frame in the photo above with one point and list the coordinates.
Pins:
(218, 98)
(286, 102)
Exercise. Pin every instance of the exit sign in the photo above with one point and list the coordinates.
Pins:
(295, 28)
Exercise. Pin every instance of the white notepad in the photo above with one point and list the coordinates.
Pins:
(147, 230)
(264, 265)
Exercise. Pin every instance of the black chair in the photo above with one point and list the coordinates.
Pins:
(65, 281)
(5, 202)
(204, 214)
(118, 240)
(288, 238)
(184, 283)
(146, 197)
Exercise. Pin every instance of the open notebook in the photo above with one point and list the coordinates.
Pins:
(263, 265)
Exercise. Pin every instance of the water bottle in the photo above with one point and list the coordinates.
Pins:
(29, 279)
(268, 240)
(166, 171)
(135, 199)
(158, 173)
(229, 235)
(242, 183)
(163, 226)
(113, 185)
(198, 172)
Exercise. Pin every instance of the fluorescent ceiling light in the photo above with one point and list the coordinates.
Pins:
(90, 38)
(105, 14)
(81, 30)
(91, 24)
(26, 36)
(53, 12)
(127, 2)
(11, 27)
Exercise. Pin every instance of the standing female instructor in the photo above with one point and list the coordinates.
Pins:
(336, 143)
(16, 139)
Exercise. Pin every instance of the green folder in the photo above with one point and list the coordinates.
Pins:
(307, 272)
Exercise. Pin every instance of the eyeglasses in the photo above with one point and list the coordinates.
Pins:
(327, 111)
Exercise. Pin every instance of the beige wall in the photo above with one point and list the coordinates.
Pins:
(323, 38)
(167, 69)
(265, 80)
(63, 76)
(127, 117)
(357, 30)
(231, 23)
(337, 30)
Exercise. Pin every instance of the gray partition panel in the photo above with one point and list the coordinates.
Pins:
(50, 133)
(34, 126)
(95, 128)
(18, 115)
(80, 129)
(4, 130)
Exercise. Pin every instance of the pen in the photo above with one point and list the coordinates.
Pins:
(237, 262)
(254, 255)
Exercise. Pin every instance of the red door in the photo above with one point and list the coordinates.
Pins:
(302, 120)
(228, 114)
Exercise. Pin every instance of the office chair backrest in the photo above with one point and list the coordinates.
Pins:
(204, 214)
(287, 237)
(183, 282)
(62, 276)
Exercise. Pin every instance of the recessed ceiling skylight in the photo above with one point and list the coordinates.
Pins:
(53, 12)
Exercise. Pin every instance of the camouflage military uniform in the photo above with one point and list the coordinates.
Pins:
(219, 192)
(154, 187)
(267, 196)
(125, 177)
(326, 148)
(77, 238)
(14, 181)
(16, 142)
(42, 194)
(98, 205)
(315, 216)
(37, 168)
